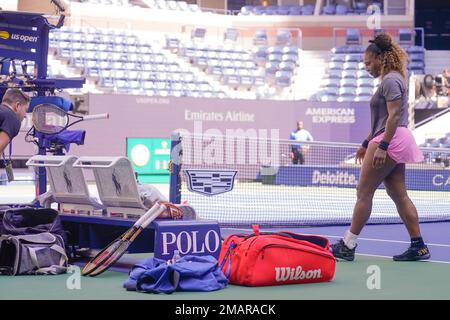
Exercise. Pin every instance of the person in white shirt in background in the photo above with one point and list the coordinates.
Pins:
(299, 150)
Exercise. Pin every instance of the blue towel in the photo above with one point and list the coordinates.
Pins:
(196, 273)
(65, 137)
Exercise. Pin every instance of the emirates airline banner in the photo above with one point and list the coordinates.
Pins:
(156, 117)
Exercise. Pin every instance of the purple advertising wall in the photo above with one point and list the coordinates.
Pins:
(140, 116)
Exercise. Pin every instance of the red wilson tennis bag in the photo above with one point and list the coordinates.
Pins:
(267, 259)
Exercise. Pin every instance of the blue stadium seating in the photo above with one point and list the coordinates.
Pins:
(292, 10)
(359, 8)
(126, 63)
(283, 78)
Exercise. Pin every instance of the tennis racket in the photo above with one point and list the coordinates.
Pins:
(174, 211)
(109, 255)
(49, 119)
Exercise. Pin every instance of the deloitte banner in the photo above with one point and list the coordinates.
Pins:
(317, 176)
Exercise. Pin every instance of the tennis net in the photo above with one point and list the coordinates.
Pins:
(241, 181)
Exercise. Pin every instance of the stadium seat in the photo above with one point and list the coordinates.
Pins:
(349, 75)
(362, 98)
(334, 74)
(260, 81)
(247, 81)
(336, 66)
(416, 65)
(332, 91)
(308, 10)
(261, 54)
(342, 9)
(353, 58)
(182, 5)
(198, 33)
(271, 10)
(289, 57)
(332, 83)
(287, 66)
(406, 37)
(337, 58)
(194, 8)
(246, 10)
(275, 50)
(364, 74)
(274, 57)
(231, 34)
(348, 83)
(283, 10)
(295, 10)
(290, 50)
(228, 71)
(347, 98)
(415, 49)
(172, 43)
(364, 82)
(340, 50)
(360, 7)
(284, 37)
(416, 57)
(353, 37)
(272, 67)
(260, 38)
(259, 10)
(232, 80)
(172, 5)
(364, 91)
(283, 78)
(329, 10)
(355, 49)
(351, 66)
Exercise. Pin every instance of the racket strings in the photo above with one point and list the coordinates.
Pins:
(48, 119)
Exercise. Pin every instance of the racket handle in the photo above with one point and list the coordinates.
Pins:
(139, 222)
(96, 116)
(153, 216)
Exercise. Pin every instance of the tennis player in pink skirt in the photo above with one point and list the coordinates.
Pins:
(389, 146)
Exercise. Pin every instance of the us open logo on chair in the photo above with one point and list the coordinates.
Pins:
(4, 35)
(210, 182)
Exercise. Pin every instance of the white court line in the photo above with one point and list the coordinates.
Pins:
(366, 239)
(393, 241)
(388, 257)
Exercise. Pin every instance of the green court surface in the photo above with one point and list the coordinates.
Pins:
(398, 280)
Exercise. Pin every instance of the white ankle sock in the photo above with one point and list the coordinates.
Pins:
(350, 239)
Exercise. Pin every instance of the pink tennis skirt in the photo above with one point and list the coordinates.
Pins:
(403, 147)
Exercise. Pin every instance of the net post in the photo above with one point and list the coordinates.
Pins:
(175, 167)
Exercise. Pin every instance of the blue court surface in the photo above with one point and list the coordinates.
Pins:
(384, 240)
